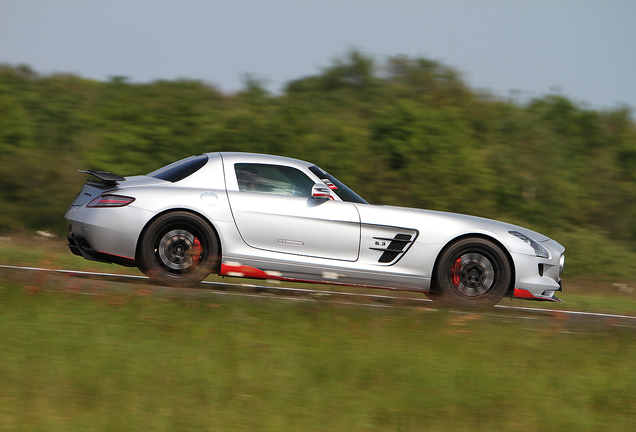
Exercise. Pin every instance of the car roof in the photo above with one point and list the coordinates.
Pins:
(237, 157)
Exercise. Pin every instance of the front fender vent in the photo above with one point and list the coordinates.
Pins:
(397, 246)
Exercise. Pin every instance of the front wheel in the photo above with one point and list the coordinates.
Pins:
(473, 272)
(178, 248)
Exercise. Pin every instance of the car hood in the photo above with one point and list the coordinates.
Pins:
(438, 226)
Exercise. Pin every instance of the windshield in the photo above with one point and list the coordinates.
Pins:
(337, 186)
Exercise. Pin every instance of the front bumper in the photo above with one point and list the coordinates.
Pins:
(547, 295)
(539, 278)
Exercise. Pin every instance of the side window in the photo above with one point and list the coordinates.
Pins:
(272, 179)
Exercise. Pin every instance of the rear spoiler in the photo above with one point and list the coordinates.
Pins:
(109, 179)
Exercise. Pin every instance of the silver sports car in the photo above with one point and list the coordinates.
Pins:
(271, 217)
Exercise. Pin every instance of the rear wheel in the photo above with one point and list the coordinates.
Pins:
(178, 248)
(473, 272)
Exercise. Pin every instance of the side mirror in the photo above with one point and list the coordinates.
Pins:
(320, 191)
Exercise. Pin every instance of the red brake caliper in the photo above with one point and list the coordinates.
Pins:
(455, 270)
(196, 250)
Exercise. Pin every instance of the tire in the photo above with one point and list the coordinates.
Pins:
(179, 249)
(473, 272)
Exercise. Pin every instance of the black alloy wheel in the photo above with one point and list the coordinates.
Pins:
(473, 272)
(178, 248)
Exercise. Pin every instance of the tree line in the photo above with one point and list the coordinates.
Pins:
(407, 131)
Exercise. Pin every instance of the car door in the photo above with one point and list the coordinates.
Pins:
(273, 210)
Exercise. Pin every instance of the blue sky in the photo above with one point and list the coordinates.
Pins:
(584, 50)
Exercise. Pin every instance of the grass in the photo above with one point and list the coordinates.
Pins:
(134, 359)
(74, 362)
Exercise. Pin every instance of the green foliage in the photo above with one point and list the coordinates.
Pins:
(146, 361)
(14, 127)
(406, 132)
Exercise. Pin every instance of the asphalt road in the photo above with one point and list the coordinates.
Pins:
(114, 283)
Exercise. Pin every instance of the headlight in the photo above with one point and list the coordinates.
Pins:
(539, 250)
(561, 264)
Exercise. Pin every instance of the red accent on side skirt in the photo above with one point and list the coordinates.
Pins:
(252, 272)
(247, 271)
(523, 294)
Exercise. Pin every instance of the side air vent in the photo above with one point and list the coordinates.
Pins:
(396, 247)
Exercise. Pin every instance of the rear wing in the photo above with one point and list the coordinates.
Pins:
(105, 178)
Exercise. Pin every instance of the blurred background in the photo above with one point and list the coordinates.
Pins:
(520, 111)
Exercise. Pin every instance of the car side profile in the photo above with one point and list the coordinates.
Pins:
(272, 217)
